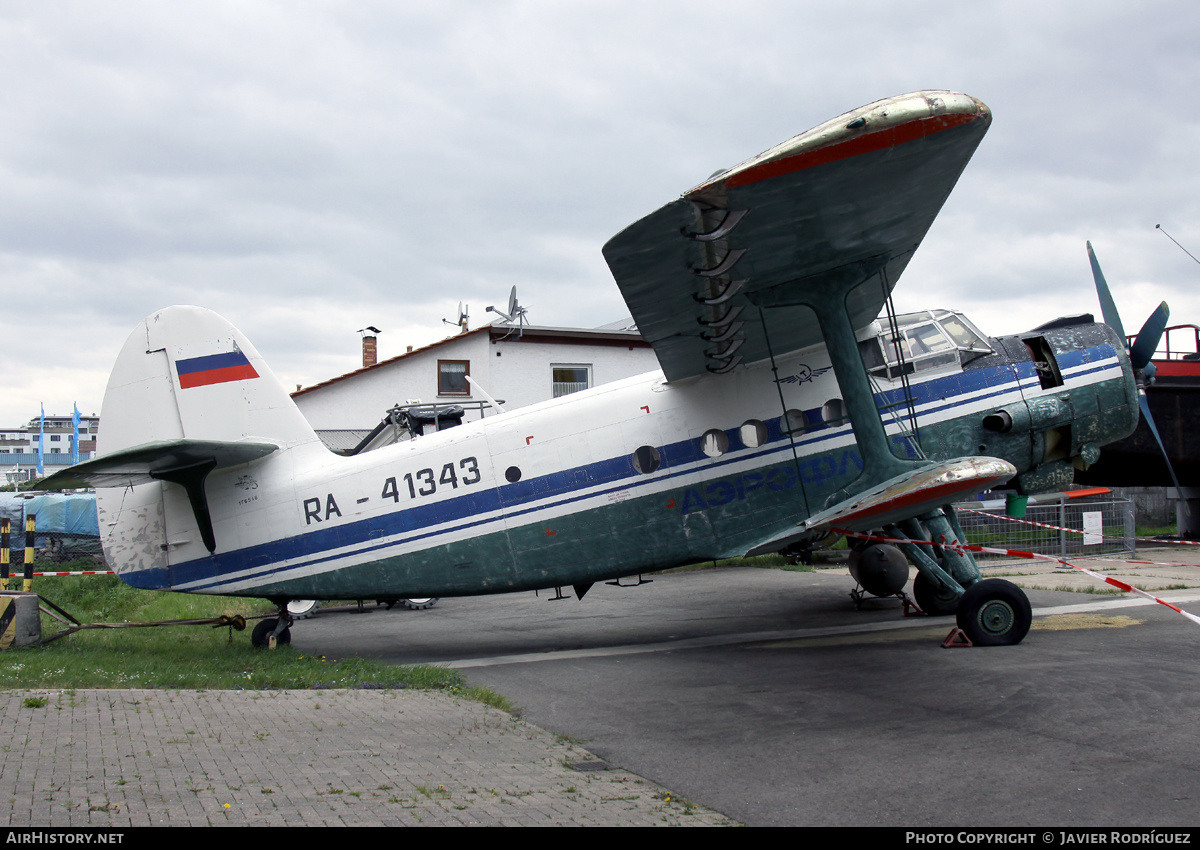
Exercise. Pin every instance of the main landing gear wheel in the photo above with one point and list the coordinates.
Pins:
(934, 601)
(995, 612)
(262, 632)
(302, 609)
(419, 604)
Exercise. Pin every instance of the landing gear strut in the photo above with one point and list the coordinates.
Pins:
(991, 612)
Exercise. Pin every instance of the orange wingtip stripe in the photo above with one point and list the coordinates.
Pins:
(867, 143)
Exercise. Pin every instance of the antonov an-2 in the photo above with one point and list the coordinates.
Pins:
(783, 409)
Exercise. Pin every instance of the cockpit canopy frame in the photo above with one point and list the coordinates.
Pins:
(925, 341)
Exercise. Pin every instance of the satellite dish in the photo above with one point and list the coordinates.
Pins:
(463, 317)
(516, 313)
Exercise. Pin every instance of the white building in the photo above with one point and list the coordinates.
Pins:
(19, 446)
(515, 365)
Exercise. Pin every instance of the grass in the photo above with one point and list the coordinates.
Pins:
(1155, 530)
(193, 657)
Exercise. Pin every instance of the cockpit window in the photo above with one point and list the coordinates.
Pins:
(931, 339)
(965, 334)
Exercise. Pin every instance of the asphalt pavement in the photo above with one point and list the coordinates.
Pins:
(766, 696)
(714, 697)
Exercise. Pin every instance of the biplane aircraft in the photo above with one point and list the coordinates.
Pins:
(783, 409)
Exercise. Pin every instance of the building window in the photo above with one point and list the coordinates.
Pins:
(452, 377)
(571, 378)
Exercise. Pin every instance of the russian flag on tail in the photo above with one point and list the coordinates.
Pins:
(214, 369)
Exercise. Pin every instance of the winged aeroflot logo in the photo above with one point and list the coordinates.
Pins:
(805, 374)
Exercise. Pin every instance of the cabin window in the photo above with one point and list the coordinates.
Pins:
(567, 379)
(833, 412)
(452, 377)
(714, 443)
(793, 422)
(646, 459)
(753, 433)
(512, 475)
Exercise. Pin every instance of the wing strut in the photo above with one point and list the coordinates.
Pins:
(905, 384)
(791, 435)
(826, 297)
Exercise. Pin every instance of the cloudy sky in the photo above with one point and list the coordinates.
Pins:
(309, 168)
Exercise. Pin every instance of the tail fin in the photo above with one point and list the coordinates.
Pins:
(188, 395)
(187, 373)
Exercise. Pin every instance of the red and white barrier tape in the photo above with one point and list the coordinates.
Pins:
(1016, 553)
(18, 574)
(1152, 563)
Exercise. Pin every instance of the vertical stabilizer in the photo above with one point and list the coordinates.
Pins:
(188, 395)
(187, 373)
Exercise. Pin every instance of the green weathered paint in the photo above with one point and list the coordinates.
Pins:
(620, 539)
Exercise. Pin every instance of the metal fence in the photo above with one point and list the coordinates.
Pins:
(56, 547)
(1115, 517)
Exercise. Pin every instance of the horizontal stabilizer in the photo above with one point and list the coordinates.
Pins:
(153, 461)
(900, 498)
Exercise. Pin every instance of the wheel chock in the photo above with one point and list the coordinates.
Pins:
(956, 638)
(911, 608)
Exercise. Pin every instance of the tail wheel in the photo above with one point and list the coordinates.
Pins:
(995, 612)
(262, 632)
(419, 604)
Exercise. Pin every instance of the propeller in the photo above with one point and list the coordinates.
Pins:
(1143, 348)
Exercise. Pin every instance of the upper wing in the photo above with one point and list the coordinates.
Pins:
(843, 205)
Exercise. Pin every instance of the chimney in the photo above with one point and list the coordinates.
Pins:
(370, 335)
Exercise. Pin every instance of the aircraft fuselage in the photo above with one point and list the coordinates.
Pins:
(629, 477)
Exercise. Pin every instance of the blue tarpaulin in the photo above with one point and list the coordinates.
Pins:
(66, 514)
(66, 524)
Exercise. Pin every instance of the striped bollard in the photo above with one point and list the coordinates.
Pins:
(5, 542)
(30, 525)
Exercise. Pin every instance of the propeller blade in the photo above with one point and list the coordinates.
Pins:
(1143, 348)
(1144, 404)
(1146, 342)
(1107, 306)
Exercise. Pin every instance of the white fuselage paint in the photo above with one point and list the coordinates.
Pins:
(306, 489)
